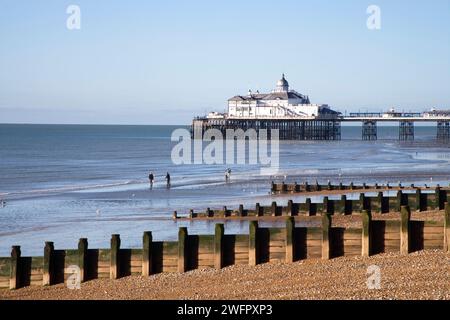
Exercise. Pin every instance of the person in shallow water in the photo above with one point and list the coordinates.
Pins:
(168, 180)
(227, 175)
(151, 178)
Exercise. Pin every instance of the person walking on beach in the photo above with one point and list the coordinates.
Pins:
(227, 175)
(168, 180)
(151, 178)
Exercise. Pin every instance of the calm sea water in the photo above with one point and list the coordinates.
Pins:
(63, 182)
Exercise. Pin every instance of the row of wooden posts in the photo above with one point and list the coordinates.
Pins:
(380, 204)
(306, 187)
(219, 236)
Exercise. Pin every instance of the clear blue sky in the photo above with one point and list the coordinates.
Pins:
(163, 62)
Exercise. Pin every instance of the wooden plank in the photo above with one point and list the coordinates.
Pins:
(392, 236)
(433, 229)
(433, 236)
(277, 243)
(314, 243)
(277, 249)
(243, 255)
(134, 263)
(352, 242)
(103, 270)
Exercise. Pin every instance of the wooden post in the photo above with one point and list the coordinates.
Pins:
(191, 214)
(290, 230)
(343, 204)
(241, 210)
(175, 215)
(340, 186)
(447, 228)
(225, 211)
(325, 205)
(376, 186)
(274, 208)
(405, 215)
(258, 210)
(182, 249)
(290, 208)
(326, 224)
(272, 187)
(351, 186)
(218, 245)
(329, 186)
(253, 246)
(362, 202)
(366, 243)
(15, 268)
(418, 200)
(82, 258)
(307, 188)
(296, 187)
(399, 202)
(308, 207)
(114, 257)
(147, 240)
(439, 199)
(47, 277)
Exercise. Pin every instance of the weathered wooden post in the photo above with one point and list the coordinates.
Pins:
(82, 259)
(241, 210)
(307, 188)
(309, 209)
(182, 249)
(258, 210)
(48, 270)
(364, 186)
(114, 267)
(290, 208)
(274, 208)
(272, 187)
(218, 245)
(326, 224)
(343, 204)
(399, 201)
(362, 202)
(405, 216)
(296, 187)
(15, 268)
(418, 200)
(325, 205)
(366, 243)
(380, 201)
(351, 186)
(147, 241)
(376, 186)
(253, 246)
(340, 186)
(447, 228)
(209, 213)
(283, 187)
(439, 199)
(330, 187)
(225, 211)
(175, 215)
(290, 243)
(191, 214)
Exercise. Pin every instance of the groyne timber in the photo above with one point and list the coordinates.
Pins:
(383, 224)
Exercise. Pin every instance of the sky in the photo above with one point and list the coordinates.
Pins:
(164, 62)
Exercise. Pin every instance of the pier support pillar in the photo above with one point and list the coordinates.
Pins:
(406, 130)
(443, 131)
(147, 240)
(369, 130)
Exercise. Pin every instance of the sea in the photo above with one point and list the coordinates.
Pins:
(64, 182)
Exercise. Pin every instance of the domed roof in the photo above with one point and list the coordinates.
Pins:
(282, 82)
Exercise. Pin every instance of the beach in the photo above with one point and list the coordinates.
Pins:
(419, 275)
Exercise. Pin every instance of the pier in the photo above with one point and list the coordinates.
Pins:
(328, 126)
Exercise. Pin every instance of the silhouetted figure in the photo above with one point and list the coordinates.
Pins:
(227, 175)
(168, 180)
(151, 178)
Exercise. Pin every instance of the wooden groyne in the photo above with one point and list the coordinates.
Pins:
(277, 188)
(417, 199)
(261, 245)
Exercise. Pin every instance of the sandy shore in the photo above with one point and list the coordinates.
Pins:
(420, 275)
